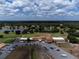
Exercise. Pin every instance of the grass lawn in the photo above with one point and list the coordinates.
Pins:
(9, 37)
(77, 38)
(59, 35)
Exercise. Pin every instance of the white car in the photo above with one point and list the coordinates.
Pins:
(64, 55)
(43, 42)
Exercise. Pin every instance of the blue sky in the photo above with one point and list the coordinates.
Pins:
(39, 10)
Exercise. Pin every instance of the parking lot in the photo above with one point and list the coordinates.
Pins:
(52, 49)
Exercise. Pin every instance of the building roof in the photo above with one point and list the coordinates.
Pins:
(31, 38)
(58, 38)
(23, 38)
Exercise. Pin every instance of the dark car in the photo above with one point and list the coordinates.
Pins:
(58, 50)
(51, 48)
(45, 48)
(0, 53)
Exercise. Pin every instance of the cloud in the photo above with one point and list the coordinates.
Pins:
(26, 9)
(39, 7)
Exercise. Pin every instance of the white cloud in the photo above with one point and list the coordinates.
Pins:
(72, 13)
(60, 10)
(58, 1)
(2, 1)
(26, 9)
(39, 7)
(17, 3)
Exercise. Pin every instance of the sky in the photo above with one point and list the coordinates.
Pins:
(34, 10)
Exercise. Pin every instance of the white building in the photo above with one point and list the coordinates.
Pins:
(23, 39)
(59, 39)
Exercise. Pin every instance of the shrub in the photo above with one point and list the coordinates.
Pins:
(1, 36)
(73, 39)
(55, 30)
(18, 32)
(9, 41)
(6, 32)
(24, 31)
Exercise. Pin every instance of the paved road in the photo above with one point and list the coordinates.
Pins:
(56, 54)
(5, 51)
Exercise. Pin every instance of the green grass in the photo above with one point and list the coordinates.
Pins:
(9, 37)
(77, 38)
(29, 35)
(59, 35)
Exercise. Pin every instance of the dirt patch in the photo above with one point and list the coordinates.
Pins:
(2, 45)
(74, 49)
(43, 36)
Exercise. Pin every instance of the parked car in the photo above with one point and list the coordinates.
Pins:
(51, 48)
(64, 55)
(58, 50)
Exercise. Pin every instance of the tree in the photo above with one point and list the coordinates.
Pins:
(55, 30)
(75, 34)
(61, 32)
(71, 30)
(31, 31)
(18, 32)
(6, 32)
(24, 31)
(28, 40)
(73, 39)
(1, 36)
